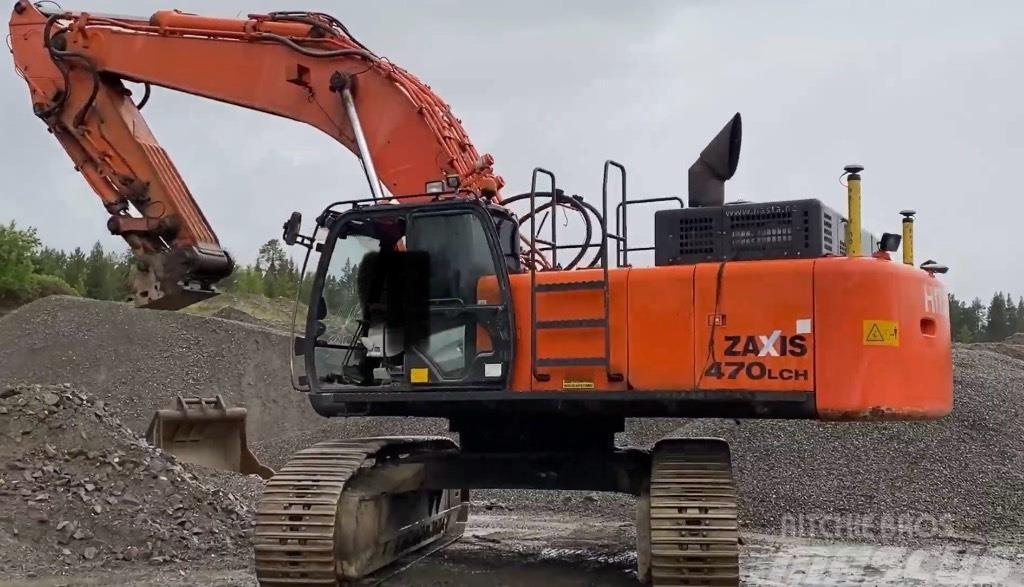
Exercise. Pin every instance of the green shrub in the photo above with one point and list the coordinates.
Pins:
(40, 286)
(16, 248)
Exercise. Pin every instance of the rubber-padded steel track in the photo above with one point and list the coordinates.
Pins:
(295, 536)
(694, 536)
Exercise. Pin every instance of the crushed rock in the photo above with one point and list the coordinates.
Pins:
(81, 490)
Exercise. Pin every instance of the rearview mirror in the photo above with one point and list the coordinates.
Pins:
(717, 164)
(291, 228)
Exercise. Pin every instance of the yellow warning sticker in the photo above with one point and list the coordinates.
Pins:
(577, 384)
(419, 375)
(881, 333)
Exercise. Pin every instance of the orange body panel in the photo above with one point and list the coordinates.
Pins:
(782, 326)
(858, 381)
(763, 338)
(660, 328)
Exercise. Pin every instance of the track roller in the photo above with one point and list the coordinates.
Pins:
(687, 531)
(339, 511)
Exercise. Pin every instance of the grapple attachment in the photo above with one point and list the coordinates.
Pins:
(205, 431)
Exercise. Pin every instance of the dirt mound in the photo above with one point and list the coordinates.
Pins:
(229, 313)
(275, 313)
(138, 360)
(1017, 339)
(1012, 350)
(81, 490)
(963, 475)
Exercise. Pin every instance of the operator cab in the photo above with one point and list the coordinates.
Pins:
(411, 296)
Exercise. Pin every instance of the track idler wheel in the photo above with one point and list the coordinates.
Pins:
(687, 530)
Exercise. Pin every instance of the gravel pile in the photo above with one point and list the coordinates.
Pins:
(137, 361)
(80, 490)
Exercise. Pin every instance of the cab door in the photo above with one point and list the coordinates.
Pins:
(468, 341)
(410, 297)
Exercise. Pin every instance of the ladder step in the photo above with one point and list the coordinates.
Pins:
(571, 285)
(573, 323)
(572, 362)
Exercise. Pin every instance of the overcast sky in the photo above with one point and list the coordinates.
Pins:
(926, 95)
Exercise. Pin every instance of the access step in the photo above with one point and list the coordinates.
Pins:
(571, 285)
(572, 323)
(572, 362)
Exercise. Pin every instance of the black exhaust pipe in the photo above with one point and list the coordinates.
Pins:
(716, 164)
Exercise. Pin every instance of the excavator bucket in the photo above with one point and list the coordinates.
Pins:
(204, 431)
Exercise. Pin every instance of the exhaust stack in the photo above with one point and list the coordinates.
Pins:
(717, 164)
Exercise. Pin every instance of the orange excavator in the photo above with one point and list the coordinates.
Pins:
(432, 297)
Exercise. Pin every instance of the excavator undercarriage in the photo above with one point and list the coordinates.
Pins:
(345, 512)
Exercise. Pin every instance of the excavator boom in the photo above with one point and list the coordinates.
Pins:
(291, 64)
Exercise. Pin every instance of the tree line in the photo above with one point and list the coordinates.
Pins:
(29, 270)
(976, 322)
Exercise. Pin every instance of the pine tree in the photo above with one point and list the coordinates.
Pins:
(957, 315)
(271, 261)
(75, 270)
(121, 275)
(49, 261)
(995, 328)
(964, 334)
(97, 273)
(248, 281)
(1012, 316)
(1020, 314)
(975, 318)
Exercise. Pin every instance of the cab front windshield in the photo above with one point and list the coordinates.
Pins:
(405, 299)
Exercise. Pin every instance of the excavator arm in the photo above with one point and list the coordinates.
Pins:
(297, 65)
